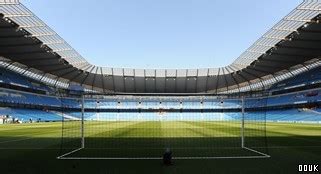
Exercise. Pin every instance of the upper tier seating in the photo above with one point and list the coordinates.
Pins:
(14, 79)
(295, 98)
(9, 77)
(311, 77)
(10, 96)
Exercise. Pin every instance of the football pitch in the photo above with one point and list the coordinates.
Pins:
(149, 139)
(33, 148)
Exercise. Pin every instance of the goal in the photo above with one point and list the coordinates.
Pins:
(143, 127)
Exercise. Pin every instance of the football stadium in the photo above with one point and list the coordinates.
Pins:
(61, 114)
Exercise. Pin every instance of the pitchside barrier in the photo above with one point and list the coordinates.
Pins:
(198, 127)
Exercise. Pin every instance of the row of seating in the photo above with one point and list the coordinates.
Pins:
(14, 97)
(289, 115)
(311, 77)
(27, 115)
(7, 96)
(310, 96)
(9, 77)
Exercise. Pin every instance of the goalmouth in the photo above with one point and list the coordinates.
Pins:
(199, 127)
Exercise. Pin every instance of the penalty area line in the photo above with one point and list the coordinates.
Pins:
(62, 156)
(255, 151)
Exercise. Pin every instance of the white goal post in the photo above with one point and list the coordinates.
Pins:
(106, 138)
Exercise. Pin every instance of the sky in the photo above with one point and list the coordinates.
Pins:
(161, 33)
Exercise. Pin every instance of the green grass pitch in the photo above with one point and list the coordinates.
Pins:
(148, 139)
(33, 148)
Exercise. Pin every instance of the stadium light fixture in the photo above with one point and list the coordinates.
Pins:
(305, 25)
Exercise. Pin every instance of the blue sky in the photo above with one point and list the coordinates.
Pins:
(161, 33)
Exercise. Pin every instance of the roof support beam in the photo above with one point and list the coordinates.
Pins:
(186, 72)
(94, 79)
(196, 81)
(124, 78)
(57, 79)
(175, 89)
(145, 81)
(217, 79)
(245, 80)
(43, 75)
(113, 78)
(234, 80)
(246, 71)
(10, 63)
(155, 88)
(102, 79)
(226, 84)
(84, 79)
(307, 68)
(165, 83)
(26, 70)
(87, 74)
(206, 82)
(134, 73)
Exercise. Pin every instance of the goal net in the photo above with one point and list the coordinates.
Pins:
(133, 127)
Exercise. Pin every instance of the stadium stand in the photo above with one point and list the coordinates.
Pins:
(294, 115)
(35, 115)
(15, 97)
(311, 77)
(13, 79)
(26, 98)
(297, 90)
(18, 97)
(284, 115)
(123, 113)
(9, 79)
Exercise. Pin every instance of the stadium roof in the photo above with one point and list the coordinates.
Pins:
(292, 46)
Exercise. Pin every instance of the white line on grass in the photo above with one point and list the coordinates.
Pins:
(255, 151)
(62, 156)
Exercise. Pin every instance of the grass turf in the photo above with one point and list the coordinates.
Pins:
(148, 139)
(33, 148)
